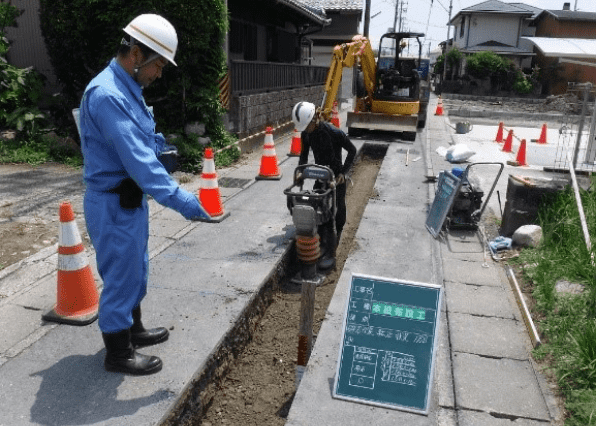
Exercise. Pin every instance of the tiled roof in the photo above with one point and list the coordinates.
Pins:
(312, 11)
(569, 15)
(496, 6)
(334, 4)
(535, 10)
(497, 47)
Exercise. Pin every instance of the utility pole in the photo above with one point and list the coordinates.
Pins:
(447, 45)
(366, 18)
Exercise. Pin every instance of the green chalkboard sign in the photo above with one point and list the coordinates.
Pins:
(388, 343)
(447, 188)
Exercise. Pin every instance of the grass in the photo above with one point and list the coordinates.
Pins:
(40, 150)
(567, 323)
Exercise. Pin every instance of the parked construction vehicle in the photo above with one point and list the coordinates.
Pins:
(393, 97)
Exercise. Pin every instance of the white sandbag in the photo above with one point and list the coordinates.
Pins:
(458, 153)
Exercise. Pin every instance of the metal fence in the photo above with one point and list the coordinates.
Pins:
(577, 135)
(255, 77)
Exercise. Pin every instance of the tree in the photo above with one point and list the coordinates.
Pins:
(83, 35)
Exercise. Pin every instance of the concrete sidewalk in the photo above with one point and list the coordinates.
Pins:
(208, 280)
(484, 374)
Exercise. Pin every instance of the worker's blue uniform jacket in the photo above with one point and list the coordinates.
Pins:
(118, 141)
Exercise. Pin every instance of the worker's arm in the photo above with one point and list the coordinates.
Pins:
(305, 148)
(136, 149)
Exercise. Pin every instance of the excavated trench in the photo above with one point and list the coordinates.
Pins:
(251, 378)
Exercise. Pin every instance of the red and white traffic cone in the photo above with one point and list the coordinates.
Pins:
(499, 137)
(508, 146)
(77, 300)
(269, 169)
(209, 194)
(296, 146)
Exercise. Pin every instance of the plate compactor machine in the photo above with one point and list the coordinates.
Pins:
(313, 213)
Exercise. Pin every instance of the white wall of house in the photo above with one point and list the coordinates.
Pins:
(484, 27)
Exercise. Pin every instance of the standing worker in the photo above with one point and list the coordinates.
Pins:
(121, 164)
(327, 143)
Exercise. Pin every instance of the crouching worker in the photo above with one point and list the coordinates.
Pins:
(121, 165)
(327, 143)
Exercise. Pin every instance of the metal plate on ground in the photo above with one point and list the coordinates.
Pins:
(229, 182)
(388, 343)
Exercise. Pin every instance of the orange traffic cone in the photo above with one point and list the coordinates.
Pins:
(296, 146)
(499, 137)
(335, 115)
(77, 298)
(269, 169)
(542, 138)
(508, 142)
(521, 154)
(439, 110)
(209, 194)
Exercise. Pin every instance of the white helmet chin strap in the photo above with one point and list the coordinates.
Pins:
(151, 58)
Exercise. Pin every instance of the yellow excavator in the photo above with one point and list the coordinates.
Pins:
(393, 97)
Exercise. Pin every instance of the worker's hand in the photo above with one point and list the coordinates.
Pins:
(202, 215)
(299, 179)
(340, 179)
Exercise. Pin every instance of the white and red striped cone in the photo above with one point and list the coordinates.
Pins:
(296, 146)
(77, 300)
(269, 169)
(209, 194)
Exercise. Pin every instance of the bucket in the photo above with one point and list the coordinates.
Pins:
(463, 128)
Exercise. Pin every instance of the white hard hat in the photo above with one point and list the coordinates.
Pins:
(156, 33)
(302, 115)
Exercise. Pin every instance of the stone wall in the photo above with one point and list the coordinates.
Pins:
(252, 113)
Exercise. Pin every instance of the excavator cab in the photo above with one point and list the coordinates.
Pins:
(398, 78)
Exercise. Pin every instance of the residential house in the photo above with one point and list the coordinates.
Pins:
(498, 27)
(574, 32)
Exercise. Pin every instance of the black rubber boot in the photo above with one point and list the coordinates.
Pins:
(121, 356)
(140, 336)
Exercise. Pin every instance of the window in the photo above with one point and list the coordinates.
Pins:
(463, 24)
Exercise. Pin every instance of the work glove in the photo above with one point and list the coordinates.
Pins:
(340, 179)
(197, 213)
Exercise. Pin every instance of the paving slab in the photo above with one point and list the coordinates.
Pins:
(498, 385)
(466, 272)
(473, 418)
(496, 337)
(481, 300)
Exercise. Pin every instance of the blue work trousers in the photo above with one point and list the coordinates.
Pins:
(120, 238)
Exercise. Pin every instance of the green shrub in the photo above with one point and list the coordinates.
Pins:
(83, 35)
(21, 88)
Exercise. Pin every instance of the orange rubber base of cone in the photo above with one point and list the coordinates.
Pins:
(77, 298)
(269, 169)
(211, 200)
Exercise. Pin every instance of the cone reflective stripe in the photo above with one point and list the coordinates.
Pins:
(542, 138)
(499, 137)
(269, 169)
(439, 110)
(521, 154)
(508, 146)
(209, 194)
(296, 146)
(77, 300)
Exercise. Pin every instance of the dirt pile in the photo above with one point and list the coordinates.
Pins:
(565, 104)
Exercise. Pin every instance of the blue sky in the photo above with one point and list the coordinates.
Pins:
(421, 17)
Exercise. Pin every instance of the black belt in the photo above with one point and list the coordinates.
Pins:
(131, 195)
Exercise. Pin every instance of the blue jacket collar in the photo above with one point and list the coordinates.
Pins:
(135, 88)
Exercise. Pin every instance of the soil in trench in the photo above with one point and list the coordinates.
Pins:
(260, 387)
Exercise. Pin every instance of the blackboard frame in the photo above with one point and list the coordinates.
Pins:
(434, 345)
